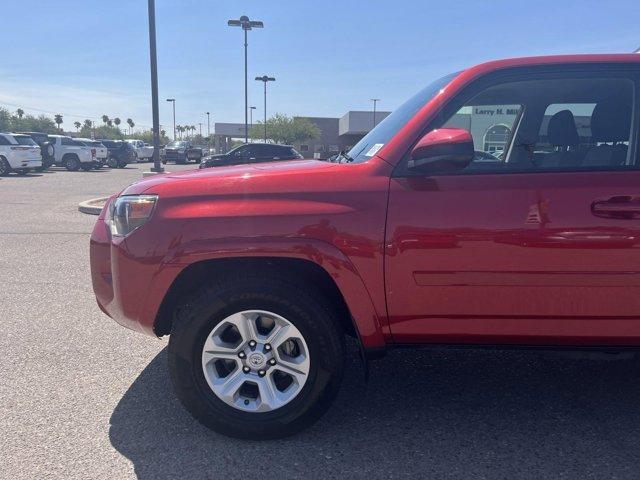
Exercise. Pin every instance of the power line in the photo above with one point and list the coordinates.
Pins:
(74, 115)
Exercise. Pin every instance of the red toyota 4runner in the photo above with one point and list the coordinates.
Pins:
(498, 206)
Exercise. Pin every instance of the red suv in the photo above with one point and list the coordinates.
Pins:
(498, 206)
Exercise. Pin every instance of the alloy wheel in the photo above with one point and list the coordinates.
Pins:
(255, 361)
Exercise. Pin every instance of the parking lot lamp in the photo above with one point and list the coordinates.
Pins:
(265, 79)
(157, 167)
(208, 128)
(375, 102)
(173, 100)
(251, 109)
(246, 25)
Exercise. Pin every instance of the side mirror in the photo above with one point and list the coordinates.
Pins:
(442, 150)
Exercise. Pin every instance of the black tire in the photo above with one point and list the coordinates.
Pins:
(22, 171)
(303, 307)
(87, 167)
(112, 162)
(71, 162)
(5, 168)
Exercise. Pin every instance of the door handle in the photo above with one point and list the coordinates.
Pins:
(625, 207)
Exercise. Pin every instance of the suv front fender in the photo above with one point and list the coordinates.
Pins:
(368, 322)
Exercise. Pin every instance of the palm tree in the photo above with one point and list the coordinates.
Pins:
(105, 119)
(131, 125)
(109, 122)
(77, 125)
(20, 112)
(58, 120)
(117, 121)
(163, 133)
(87, 124)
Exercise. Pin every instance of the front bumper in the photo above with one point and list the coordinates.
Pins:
(128, 288)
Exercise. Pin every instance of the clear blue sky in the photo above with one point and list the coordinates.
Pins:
(88, 58)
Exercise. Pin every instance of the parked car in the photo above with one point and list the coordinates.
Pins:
(70, 153)
(42, 139)
(258, 271)
(181, 151)
(120, 153)
(102, 153)
(19, 154)
(252, 153)
(143, 151)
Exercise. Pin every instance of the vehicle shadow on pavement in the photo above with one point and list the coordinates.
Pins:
(424, 414)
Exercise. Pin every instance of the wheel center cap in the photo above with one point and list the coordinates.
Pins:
(256, 360)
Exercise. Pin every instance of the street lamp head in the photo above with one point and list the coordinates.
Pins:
(252, 108)
(265, 79)
(245, 23)
(171, 99)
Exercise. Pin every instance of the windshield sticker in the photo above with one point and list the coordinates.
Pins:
(373, 150)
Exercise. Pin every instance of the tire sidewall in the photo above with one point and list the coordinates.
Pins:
(185, 358)
(72, 163)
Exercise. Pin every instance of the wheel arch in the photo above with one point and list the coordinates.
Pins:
(360, 322)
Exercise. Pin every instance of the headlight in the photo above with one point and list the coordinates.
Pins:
(129, 212)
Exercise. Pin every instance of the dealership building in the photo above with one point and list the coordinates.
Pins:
(336, 134)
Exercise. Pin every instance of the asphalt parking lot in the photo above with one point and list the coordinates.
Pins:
(81, 397)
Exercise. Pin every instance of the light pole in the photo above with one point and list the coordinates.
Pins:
(153, 58)
(251, 109)
(265, 79)
(246, 25)
(173, 100)
(375, 101)
(208, 127)
(200, 128)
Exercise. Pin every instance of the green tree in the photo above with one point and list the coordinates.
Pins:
(117, 122)
(105, 119)
(20, 113)
(77, 125)
(147, 136)
(131, 125)
(58, 119)
(87, 124)
(103, 131)
(286, 130)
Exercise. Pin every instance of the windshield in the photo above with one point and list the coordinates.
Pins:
(177, 144)
(387, 128)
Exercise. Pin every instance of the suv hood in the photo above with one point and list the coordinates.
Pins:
(233, 178)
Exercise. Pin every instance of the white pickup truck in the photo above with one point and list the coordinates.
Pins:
(70, 153)
(144, 152)
(18, 153)
(102, 153)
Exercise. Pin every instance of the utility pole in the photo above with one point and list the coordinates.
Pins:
(375, 101)
(173, 100)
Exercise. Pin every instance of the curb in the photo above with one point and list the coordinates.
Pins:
(93, 206)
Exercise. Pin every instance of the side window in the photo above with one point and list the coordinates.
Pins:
(4, 141)
(241, 152)
(490, 126)
(549, 124)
